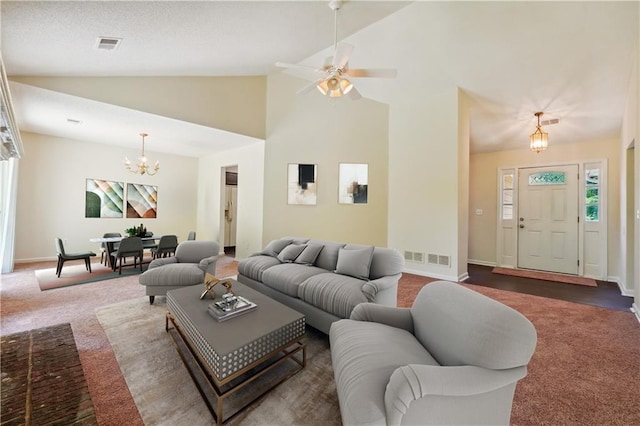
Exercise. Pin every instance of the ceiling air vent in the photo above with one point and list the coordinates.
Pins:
(108, 43)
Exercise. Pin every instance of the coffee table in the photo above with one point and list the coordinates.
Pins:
(224, 357)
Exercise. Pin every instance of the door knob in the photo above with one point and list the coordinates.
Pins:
(521, 219)
(521, 226)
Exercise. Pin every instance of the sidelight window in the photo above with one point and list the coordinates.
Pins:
(592, 194)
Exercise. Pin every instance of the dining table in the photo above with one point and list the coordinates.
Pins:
(110, 241)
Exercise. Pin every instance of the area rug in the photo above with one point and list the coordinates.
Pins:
(546, 276)
(42, 379)
(78, 274)
(584, 369)
(155, 375)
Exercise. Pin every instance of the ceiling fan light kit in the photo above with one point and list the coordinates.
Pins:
(334, 83)
(539, 140)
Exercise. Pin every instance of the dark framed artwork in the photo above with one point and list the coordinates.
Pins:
(302, 184)
(142, 201)
(103, 198)
(353, 183)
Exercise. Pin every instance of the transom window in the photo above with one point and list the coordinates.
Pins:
(547, 178)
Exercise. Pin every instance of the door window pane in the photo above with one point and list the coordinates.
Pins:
(507, 195)
(547, 178)
(591, 176)
(592, 194)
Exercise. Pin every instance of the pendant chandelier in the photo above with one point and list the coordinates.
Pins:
(538, 141)
(142, 167)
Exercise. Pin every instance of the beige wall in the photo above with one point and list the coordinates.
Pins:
(312, 129)
(235, 104)
(51, 195)
(250, 162)
(483, 192)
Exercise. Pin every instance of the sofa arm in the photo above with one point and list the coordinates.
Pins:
(208, 265)
(383, 290)
(410, 383)
(388, 315)
(161, 261)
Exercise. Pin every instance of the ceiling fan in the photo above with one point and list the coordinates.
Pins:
(334, 82)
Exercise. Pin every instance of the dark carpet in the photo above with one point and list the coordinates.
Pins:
(42, 379)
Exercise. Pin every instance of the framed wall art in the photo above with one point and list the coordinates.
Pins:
(353, 183)
(103, 198)
(142, 201)
(302, 184)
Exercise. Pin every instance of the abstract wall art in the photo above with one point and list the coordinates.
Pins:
(302, 184)
(142, 201)
(353, 183)
(103, 198)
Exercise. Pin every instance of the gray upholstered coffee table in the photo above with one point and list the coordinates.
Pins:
(238, 351)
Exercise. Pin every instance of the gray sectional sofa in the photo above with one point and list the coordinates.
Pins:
(323, 280)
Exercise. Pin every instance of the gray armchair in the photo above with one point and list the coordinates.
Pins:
(192, 260)
(454, 357)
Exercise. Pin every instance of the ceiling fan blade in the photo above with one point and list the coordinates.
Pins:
(309, 87)
(373, 72)
(299, 67)
(341, 55)
(354, 94)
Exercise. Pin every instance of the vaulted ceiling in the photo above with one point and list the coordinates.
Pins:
(578, 57)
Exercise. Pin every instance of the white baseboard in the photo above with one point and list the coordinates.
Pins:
(431, 275)
(636, 310)
(35, 259)
(463, 277)
(623, 289)
(481, 262)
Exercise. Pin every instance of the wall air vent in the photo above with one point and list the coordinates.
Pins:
(443, 260)
(438, 259)
(108, 43)
(414, 256)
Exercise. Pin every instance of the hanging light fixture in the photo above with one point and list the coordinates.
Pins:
(538, 141)
(142, 166)
(335, 86)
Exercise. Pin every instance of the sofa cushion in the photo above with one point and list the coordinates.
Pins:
(253, 267)
(333, 293)
(275, 247)
(328, 257)
(355, 262)
(286, 277)
(309, 254)
(174, 274)
(364, 355)
(291, 252)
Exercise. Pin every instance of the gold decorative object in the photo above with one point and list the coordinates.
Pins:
(210, 282)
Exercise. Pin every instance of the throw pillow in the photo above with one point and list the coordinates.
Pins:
(309, 254)
(290, 252)
(355, 262)
(275, 247)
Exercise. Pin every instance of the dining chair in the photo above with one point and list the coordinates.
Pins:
(104, 249)
(166, 246)
(149, 244)
(192, 235)
(130, 246)
(63, 256)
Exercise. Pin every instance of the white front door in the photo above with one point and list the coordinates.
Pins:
(548, 219)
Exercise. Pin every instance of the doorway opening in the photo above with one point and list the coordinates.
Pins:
(230, 203)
